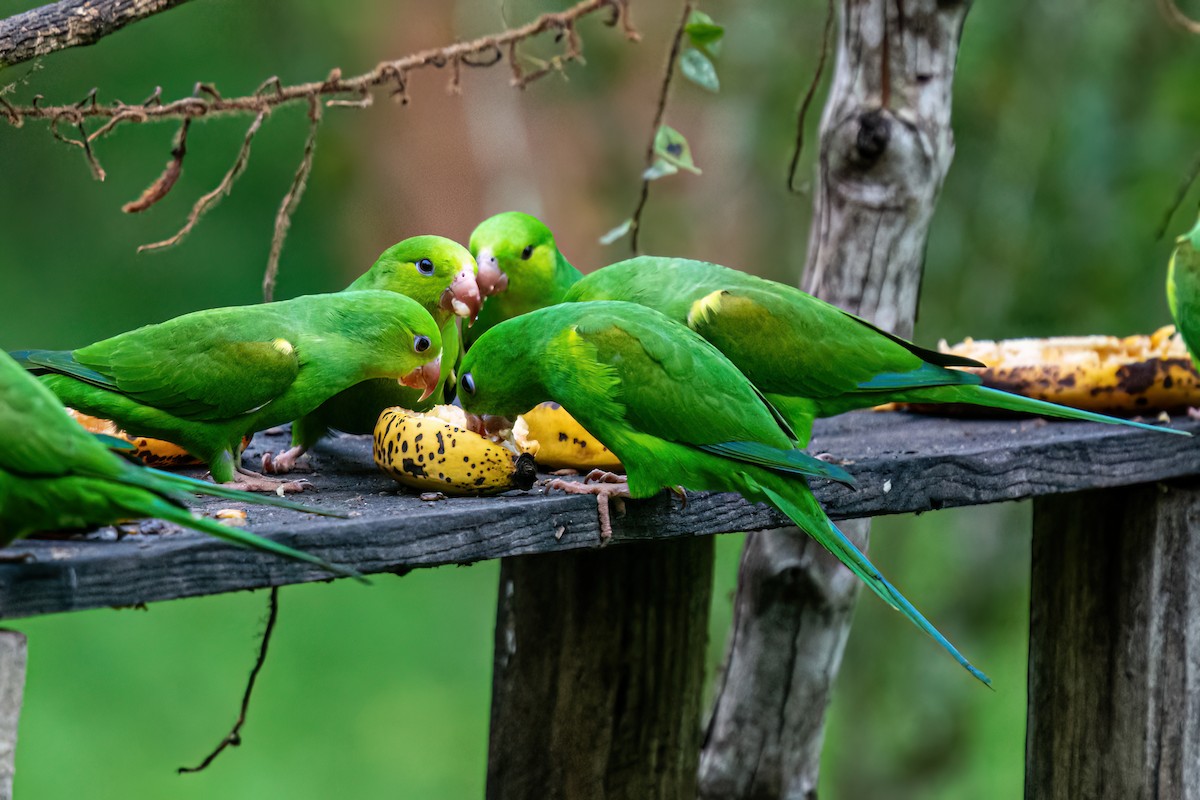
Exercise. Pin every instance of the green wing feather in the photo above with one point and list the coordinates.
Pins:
(198, 366)
(649, 371)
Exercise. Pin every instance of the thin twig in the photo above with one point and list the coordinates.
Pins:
(659, 113)
(283, 218)
(1177, 17)
(1180, 194)
(206, 202)
(234, 738)
(808, 97)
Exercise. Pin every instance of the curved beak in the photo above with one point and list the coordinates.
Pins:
(462, 295)
(424, 377)
(492, 280)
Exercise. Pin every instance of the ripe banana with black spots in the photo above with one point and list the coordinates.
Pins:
(1105, 374)
(435, 451)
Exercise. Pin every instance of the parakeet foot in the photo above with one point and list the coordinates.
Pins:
(284, 462)
(250, 481)
(613, 486)
(603, 476)
(1193, 412)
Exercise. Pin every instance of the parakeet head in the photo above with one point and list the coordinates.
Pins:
(512, 246)
(499, 374)
(393, 336)
(436, 272)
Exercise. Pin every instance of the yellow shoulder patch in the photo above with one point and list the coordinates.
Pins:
(705, 307)
(283, 346)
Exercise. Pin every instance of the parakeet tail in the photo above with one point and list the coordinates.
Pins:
(197, 486)
(986, 396)
(794, 499)
(164, 509)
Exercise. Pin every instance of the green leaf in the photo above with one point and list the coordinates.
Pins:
(672, 147)
(702, 31)
(617, 232)
(698, 69)
(661, 168)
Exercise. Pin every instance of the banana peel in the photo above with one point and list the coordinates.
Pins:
(436, 451)
(1106, 374)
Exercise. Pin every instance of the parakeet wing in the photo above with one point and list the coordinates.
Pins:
(41, 440)
(653, 371)
(782, 340)
(202, 366)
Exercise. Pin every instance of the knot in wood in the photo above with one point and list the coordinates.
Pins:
(874, 134)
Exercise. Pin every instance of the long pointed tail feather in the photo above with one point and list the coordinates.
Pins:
(795, 500)
(995, 398)
(164, 509)
(184, 483)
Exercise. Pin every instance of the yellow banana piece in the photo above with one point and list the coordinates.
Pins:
(557, 441)
(151, 452)
(1106, 374)
(435, 452)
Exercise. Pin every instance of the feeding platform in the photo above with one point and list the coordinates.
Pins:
(1116, 565)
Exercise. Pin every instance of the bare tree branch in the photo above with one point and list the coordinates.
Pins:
(69, 23)
(272, 94)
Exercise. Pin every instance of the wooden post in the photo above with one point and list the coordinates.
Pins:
(599, 668)
(12, 691)
(886, 146)
(1114, 645)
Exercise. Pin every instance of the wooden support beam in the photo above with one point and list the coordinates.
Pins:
(1114, 645)
(598, 675)
(12, 691)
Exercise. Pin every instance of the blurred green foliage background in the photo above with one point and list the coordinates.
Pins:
(1074, 121)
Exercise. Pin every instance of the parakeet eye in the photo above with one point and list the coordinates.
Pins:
(467, 383)
(527, 252)
(425, 266)
(421, 343)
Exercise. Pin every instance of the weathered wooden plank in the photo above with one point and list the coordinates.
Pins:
(1114, 646)
(13, 658)
(598, 674)
(903, 462)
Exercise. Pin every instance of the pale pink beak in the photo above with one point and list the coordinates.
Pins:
(462, 295)
(424, 377)
(492, 280)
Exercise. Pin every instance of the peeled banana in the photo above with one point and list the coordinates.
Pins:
(435, 451)
(1107, 374)
(557, 441)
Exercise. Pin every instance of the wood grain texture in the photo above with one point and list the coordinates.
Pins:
(886, 146)
(903, 462)
(13, 658)
(69, 23)
(1114, 650)
(599, 672)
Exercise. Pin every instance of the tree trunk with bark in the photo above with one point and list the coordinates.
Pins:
(886, 146)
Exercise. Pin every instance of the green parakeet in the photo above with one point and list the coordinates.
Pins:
(206, 379)
(520, 269)
(669, 405)
(1183, 289)
(56, 476)
(440, 275)
(809, 358)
